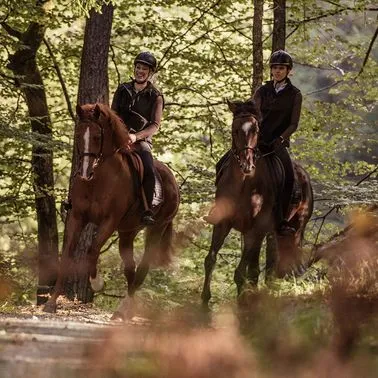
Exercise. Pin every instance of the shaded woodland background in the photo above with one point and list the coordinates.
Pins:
(50, 61)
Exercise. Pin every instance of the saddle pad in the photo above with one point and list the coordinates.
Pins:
(158, 197)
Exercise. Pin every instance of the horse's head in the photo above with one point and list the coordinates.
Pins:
(99, 133)
(245, 131)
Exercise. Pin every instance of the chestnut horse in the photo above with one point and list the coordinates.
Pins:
(106, 191)
(246, 194)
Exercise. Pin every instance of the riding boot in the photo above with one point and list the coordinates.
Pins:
(148, 185)
(148, 216)
(283, 225)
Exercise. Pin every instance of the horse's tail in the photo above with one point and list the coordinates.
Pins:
(166, 250)
(161, 242)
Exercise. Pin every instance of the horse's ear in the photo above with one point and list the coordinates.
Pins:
(97, 112)
(231, 105)
(79, 111)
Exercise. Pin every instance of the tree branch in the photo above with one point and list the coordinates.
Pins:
(367, 176)
(315, 18)
(12, 32)
(115, 65)
(338, 207)
(368, 51)
(324, 88)
(180, 37)
(227, 62)
(61, 80)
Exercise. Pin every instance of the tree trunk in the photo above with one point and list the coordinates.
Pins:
(94, 82)
(279, 25)
(24, 66)
(258, 69)
(93, 87)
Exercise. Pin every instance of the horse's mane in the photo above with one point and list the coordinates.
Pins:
(245, 107)
(116, 123)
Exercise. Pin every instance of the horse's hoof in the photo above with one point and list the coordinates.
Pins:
(300, 270)
(50, 307)
(117, 317)
(97, 283)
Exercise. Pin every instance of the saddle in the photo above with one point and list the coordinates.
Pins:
(277, 172)
(138, 171)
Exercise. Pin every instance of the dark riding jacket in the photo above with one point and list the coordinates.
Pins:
(280, 111)
(138, 110)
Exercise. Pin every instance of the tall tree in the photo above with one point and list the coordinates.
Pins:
(279, 26)
(93, 87)
(258, 69)
(23, 64)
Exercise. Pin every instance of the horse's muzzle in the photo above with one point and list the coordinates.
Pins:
(248, 169)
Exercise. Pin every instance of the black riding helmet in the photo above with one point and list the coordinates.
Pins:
(281, 57)
(146, 57)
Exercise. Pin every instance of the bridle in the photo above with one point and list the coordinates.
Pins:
(237, 151)
(257, 154)
(96, 155)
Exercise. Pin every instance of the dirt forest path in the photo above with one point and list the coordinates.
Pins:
(38, 345)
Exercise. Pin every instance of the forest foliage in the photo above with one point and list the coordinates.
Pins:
(205, 57)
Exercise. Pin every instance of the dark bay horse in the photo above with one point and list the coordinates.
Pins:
(247, 191)
(106, 192)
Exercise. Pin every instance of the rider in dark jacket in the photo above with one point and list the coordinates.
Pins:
(140, 105)
(280, 103)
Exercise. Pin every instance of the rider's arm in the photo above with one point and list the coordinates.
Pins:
(154, 124)
(295, 115)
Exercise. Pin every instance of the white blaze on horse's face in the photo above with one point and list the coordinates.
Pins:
(247, 161)
(86, 150)
(246, 127)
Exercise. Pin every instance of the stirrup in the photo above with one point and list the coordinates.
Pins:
(148, 218)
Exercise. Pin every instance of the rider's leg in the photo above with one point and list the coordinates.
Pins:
(144, 151)
(285, 200)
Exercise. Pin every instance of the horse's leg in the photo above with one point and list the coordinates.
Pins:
(73, 230)
(104, 231)
(249, 259)
(220, 231)
(289, 255)
(153, 240)
(271, 255)
(126, 250)
(290, 246)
